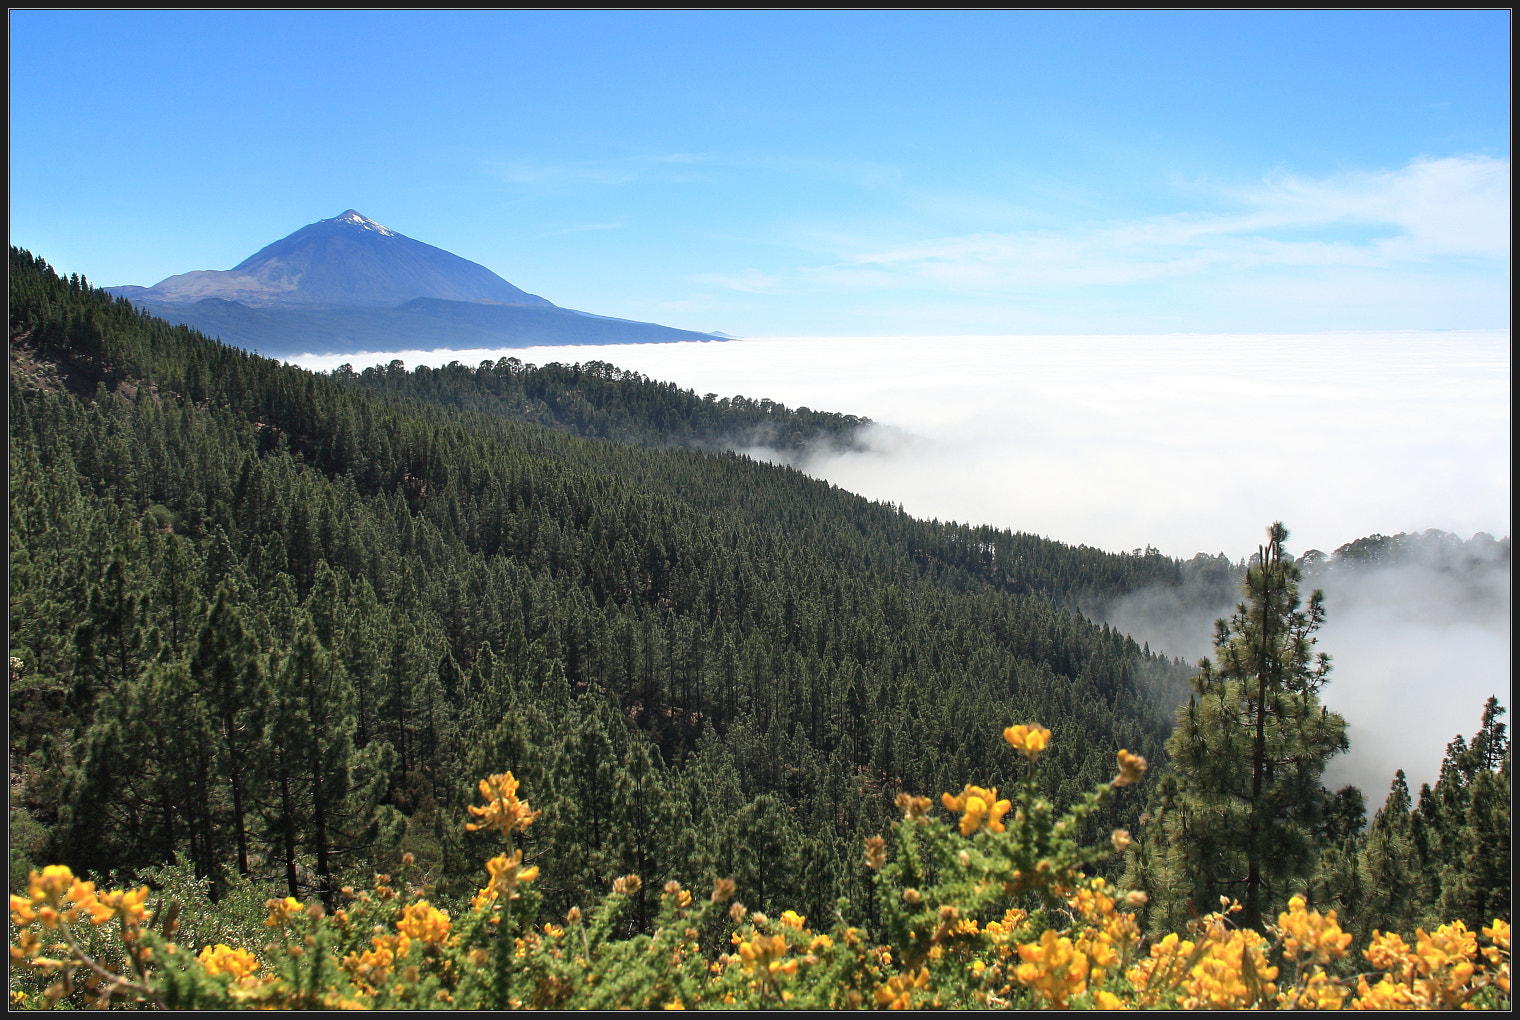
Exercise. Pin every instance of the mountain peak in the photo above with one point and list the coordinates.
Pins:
(349, 283)
(354, 218)
(348, 261)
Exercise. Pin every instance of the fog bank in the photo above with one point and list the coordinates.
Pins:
(1190, 443)
(1416, 648)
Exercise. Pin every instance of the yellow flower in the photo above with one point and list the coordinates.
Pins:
(1131, 768)
(504, 811)
(1321, 992)
(1307, 933)
(1498, 934)
(1388, 953)
(424, 922)
(792, 919)
(375, 964)
(979, 806)
(51, 885)
(1444, 960)
(1233, 972)
(1054, 968)
(223, 959)
(1386, 994)
(1027, 740)
(22, 913)
(876, 852)
(1498, 953)
(765, 956)
(282, 911)
(28, 944)
(131, 905)
(898, 991)
(1092, 901)
(506, 874)
(914, 809)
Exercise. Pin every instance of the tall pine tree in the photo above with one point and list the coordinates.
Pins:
(1239, 814)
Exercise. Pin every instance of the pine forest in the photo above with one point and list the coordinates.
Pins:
(511, 686)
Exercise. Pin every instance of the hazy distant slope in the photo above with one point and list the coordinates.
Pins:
(600, 400)
(421, 324)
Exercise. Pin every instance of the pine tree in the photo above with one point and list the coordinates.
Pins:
(1242, 810)
(1390, 869)
(1472, 825)
(226, 669)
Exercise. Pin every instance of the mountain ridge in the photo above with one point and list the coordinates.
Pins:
(349, 284)
(346, 261)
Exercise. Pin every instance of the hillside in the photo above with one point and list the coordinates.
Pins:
(768, 658)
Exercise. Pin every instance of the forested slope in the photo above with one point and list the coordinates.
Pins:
(265, 621)
(601, 400)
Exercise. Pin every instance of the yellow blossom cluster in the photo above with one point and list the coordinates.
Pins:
(978, 807)
(948, 938)
(765, 954)
(1054, 968)
(56, 896)
(424, 922)
(372, 967)
(1497, 953)
(1442, 970)
(1110, 936)
(914, 809)
(507, 873)
(222, 959)
(897, 991)
(1131, 769)
(504, 811)
(282, 912)
(1027, 740)
(1308, 935)
(55, 901)
(1224, 970)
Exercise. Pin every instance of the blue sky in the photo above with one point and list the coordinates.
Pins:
(814, 173)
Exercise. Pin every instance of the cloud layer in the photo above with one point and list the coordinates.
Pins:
(1188, 443)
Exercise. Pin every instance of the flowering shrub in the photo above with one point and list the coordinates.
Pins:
(992, 908)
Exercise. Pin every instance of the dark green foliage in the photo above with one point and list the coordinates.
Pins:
(1243, 813)
(276, 622)
(600, 400)
(1445, 857)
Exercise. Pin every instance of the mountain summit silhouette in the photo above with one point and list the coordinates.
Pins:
(349, 261)
(350, 284)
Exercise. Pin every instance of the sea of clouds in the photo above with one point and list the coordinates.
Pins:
(1188, 443)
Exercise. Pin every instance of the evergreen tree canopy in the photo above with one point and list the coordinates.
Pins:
(1240, 813)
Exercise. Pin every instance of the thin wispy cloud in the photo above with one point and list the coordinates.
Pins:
(1340, 241)
(611, 172)
(750, 282)
(1431, 210)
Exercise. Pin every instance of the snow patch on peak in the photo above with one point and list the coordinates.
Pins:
(354, 218)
